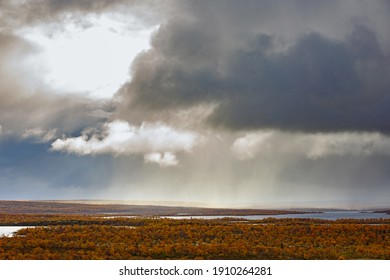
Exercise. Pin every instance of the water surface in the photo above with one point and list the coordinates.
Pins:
(326, 215)
(9, 231)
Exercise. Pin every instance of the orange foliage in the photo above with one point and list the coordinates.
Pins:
(79, 237)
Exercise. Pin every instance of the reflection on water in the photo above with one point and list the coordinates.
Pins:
(327, 215)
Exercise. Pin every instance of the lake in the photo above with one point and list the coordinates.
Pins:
(326, 215)
(8, 231)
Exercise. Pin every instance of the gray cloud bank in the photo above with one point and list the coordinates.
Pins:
(291, 65)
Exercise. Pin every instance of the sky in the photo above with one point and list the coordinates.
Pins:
(215, 103)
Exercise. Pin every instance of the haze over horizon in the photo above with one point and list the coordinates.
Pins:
(216, 102)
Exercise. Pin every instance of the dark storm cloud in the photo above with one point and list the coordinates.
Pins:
(242, 59)
(179, 70)
(317, 85)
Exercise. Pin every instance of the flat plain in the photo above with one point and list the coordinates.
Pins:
(60, 230)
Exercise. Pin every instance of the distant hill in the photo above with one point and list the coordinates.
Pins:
(71, 207)
(387, 211)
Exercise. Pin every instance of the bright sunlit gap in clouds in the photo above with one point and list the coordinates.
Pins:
(93, 59)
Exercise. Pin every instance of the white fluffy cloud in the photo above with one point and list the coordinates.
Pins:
(157, 141)
(311, 146)
(248, 146)
(163, 159)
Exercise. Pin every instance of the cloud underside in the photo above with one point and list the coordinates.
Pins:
(310, 146)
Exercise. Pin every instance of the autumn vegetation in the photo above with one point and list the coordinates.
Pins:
(92, 237)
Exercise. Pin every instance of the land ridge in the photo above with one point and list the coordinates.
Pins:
(78, 207)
